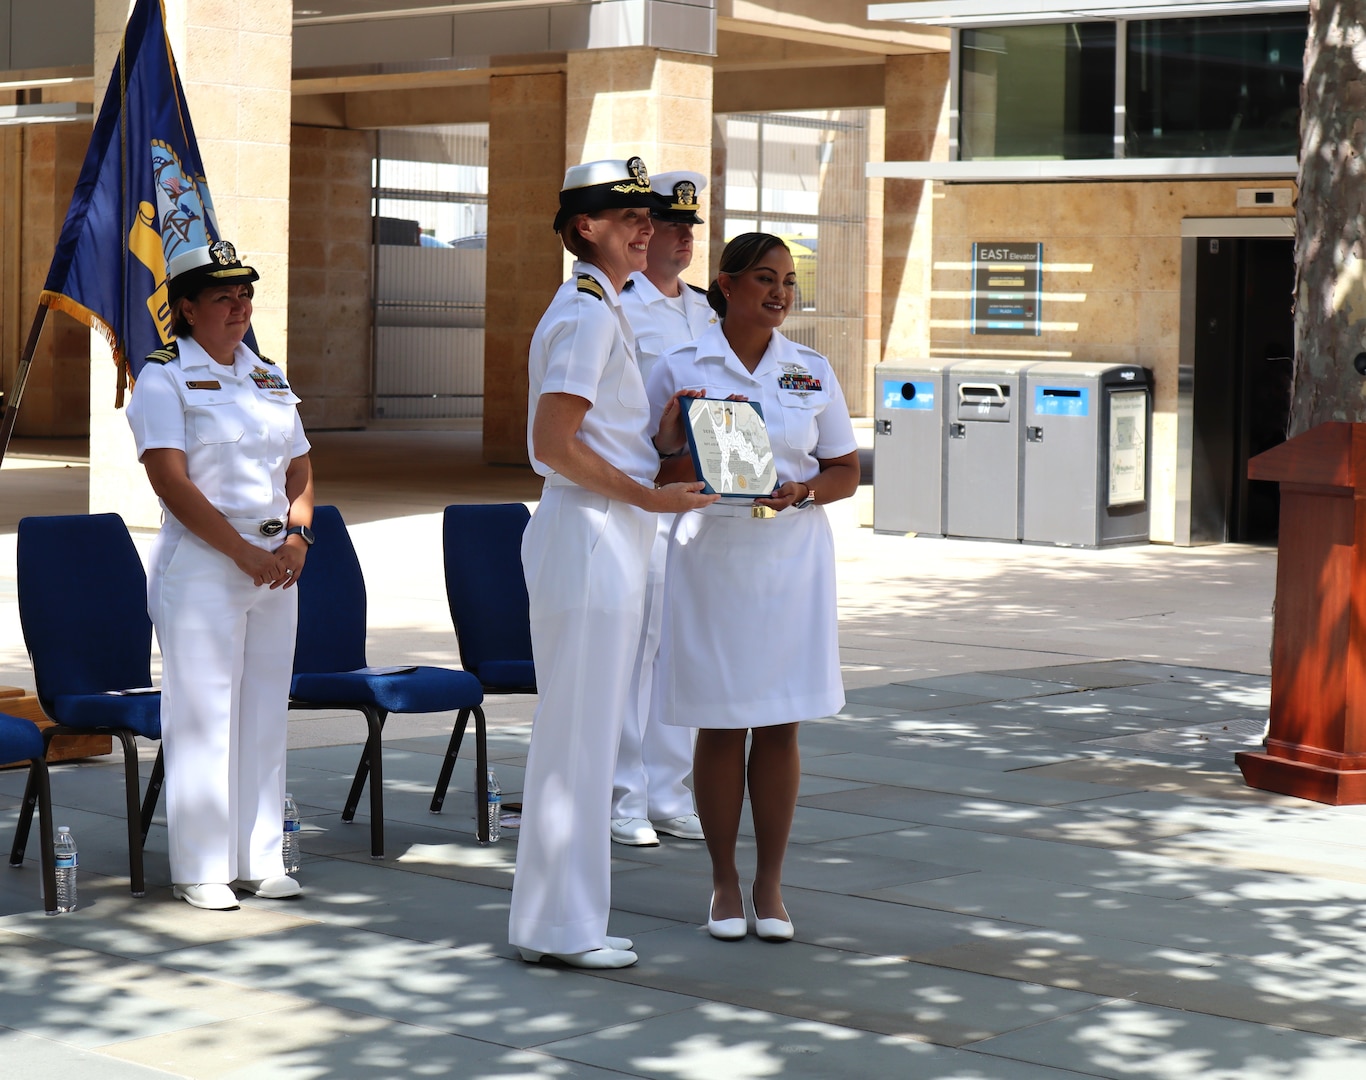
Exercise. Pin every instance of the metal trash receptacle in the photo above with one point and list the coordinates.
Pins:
(908, 447)
(1086, 462)
(983, 449)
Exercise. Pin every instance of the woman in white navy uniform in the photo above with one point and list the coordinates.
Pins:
(751, 644)
(217, 429)
(585, 554)
(649, 795)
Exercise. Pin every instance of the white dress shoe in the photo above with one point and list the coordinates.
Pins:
(725, 929)
(210, 897)
(624, 944)
(687, 827)
(634, 832)
(771, 929)
(273, 888)
(593, 958)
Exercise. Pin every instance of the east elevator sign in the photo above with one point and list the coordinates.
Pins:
(1007, 288)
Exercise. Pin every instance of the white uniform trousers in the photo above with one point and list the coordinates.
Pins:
(653, 758)
(227, 656)
(585, 559)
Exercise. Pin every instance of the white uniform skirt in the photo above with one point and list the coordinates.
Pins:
(751, 634)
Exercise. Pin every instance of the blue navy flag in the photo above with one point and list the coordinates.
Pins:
(141, 198)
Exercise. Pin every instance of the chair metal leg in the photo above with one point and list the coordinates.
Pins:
(47, 862)
(481, 780)
(481, 767)
(31, 797)
(131, 785)
(448, 763)
(371, 766)
(21, 830)
(149, 801)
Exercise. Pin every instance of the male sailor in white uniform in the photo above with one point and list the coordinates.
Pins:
(648, 793)
(585, 555)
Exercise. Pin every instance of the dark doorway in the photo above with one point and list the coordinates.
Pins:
(1244, 342)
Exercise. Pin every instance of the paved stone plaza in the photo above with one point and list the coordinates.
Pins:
(1022, 851)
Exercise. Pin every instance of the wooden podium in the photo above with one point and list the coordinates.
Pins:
(1316, 748)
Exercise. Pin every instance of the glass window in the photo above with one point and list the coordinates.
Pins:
(1214, 87)
(1037, 92)
(800, 175)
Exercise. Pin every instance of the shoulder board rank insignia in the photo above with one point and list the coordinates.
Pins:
(589, 284)
(266, 360)
(164, 356)
(696, 288)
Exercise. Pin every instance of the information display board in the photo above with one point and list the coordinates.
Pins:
(1007, 288)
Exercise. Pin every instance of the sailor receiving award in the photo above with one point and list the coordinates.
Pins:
(750, 640)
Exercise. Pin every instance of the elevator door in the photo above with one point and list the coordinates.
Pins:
(1244, 326)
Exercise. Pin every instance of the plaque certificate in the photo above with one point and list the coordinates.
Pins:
(730, 448)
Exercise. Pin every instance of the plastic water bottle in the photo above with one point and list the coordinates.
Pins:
(64, 854)
(289, 846)
(495, 808)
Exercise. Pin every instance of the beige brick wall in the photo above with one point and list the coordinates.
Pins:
(41, 165)
(916, 130)
(1111, 288)
(524, 259)
(330, 269)
(638, 101)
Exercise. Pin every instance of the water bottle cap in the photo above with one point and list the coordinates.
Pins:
(289, 795)
(63, 828)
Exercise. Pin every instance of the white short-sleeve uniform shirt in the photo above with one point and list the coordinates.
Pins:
(660, 322)
(750, 621)
(584, 346)
(238, 427)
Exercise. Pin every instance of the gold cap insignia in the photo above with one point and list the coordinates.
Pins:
(223, 253)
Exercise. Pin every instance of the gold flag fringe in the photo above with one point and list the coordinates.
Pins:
(58, 302)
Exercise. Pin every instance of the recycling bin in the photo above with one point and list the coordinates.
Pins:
(983, 449)
(1086, 462)
(908, 447)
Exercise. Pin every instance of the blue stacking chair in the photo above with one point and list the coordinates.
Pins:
(486, 590)
(329, 670)
(83, 608)
(20, 740)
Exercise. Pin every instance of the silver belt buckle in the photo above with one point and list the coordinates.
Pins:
(272, 527)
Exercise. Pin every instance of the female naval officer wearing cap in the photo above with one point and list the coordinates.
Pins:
(585, 555)
(648, 793)
(750, 643)
(217, 430)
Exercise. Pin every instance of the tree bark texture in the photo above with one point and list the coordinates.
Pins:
(1330, 246)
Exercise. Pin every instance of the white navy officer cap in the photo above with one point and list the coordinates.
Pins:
(676, 196)
(200, 267)
(611, 184)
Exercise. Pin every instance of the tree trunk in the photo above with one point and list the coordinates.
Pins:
(1330, 253)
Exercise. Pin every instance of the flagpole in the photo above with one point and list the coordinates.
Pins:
(20, 378)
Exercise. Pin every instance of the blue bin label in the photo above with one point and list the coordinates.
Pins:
(1062, 401)
(907, 394)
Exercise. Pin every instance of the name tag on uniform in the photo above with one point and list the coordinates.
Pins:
(203, 384)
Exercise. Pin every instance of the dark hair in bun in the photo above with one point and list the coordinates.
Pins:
(741, 255)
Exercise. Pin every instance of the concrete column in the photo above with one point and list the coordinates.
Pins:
(611, 103)
(235, 64)
(650, 103)
(917, 103)
(525, 263)
(330, 318)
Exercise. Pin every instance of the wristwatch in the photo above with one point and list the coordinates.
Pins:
(300, 530)
(810, 499)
